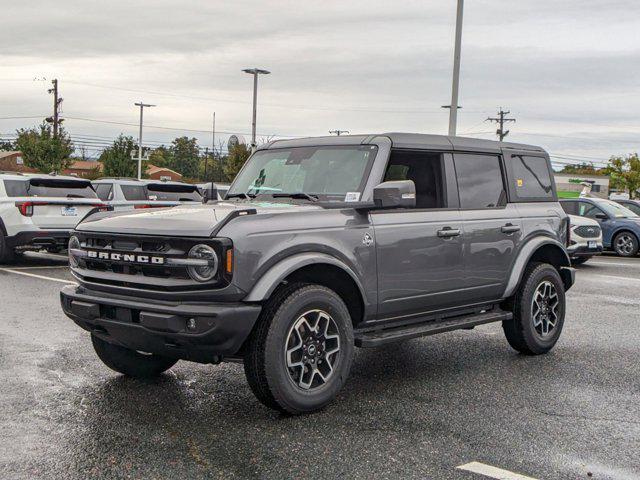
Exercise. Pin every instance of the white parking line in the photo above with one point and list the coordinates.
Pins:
(36, 268)
(595, 276)
(615, 264)
(492, 472)
(52, 279)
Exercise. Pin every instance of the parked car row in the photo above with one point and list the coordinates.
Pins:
(619, 224)
(38, 212)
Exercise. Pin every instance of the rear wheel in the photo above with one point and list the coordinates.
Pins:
(538, 311)
(300, 353)
(129, 362)
(625, 244)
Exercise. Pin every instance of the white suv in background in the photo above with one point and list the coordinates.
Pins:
(130, 194)
(585, 239)
(38, 212)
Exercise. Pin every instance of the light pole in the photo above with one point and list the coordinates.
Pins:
(141, 105)
(255, 72)
(453, 108)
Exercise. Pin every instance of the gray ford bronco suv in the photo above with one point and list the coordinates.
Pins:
(326, 244)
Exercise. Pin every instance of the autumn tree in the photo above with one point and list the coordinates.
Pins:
(44, 151)
(625, 173)
(238, 155)
(116, 159)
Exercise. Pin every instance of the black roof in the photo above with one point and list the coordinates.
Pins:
(408, 140)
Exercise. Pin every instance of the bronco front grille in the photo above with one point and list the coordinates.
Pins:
(142, 262)
(586, 231)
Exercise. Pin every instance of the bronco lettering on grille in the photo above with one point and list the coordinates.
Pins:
(125, 257)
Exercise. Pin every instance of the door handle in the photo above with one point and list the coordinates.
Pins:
(509, 228)
(448, 232)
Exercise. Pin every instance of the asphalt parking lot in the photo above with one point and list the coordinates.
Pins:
(418, 409)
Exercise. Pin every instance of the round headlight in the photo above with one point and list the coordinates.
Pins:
(74, 244)
(204, 272)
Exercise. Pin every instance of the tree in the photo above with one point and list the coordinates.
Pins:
(6, 146)
(238, 154)
(116, 159)
(625, 173)
(184, 157)
(44, 152)
(160, 157)
(580, 169)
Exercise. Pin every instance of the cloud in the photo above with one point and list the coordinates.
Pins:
(567, 68)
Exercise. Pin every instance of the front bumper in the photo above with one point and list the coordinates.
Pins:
(584, 251)
(38, 239)
(157, 327)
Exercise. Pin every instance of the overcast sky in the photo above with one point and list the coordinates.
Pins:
(568, 70)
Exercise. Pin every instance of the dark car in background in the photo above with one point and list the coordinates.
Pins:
(633, 205)
(620, 226)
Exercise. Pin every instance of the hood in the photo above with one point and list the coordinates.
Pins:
(198, 220)
(577, 221)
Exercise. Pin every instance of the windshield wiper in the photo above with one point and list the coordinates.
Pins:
(306, 196)
(241, 195)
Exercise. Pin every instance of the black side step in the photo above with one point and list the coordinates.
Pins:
(382, 337)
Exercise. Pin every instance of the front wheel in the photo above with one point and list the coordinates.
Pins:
(538, 311)
(300, 353)
(129, 362)
(625, 244)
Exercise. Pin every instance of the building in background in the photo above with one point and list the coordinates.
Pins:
(163, 174)
(569, 185)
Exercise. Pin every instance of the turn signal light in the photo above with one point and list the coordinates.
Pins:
(229, 265)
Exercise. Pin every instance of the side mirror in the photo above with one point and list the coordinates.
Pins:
(602, 216)
(210, 192)
(396, 194)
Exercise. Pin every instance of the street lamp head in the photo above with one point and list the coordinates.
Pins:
(140, 104)
(256, 71)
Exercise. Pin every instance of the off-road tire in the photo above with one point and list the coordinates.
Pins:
(634, 246)
(7, 254)
(129, 362)
(579, 260)
(264, 361)
(520, 331)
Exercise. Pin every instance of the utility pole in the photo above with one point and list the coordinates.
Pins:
(255, 72)
(206, 161)
(501, 119)
(453, 107)
(55, 119)
(141, 105)
(338, 132)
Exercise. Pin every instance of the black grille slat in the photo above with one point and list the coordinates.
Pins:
(586, 231)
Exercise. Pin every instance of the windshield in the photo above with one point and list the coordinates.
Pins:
(615, 209)
(329, 173)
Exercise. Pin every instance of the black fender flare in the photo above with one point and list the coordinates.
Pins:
(525, 254)
(270, 280)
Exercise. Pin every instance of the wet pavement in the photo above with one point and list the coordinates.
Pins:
(417, 409)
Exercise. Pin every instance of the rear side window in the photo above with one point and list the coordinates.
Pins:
(134, 192)
(16, 188)
(104, 191)
(479, 181)
(532, 177)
